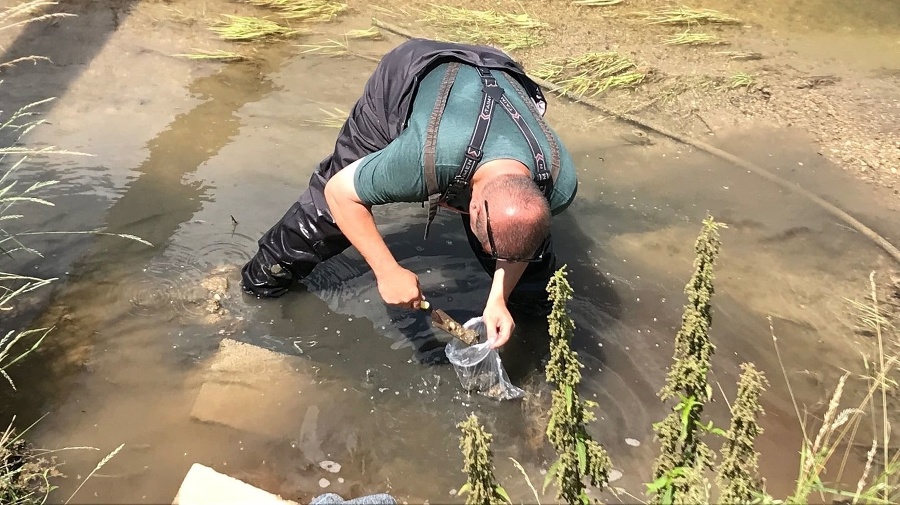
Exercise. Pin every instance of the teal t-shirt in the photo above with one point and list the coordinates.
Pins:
(396, 173)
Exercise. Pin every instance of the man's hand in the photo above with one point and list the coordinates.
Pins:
(499, 323)
(399, 286)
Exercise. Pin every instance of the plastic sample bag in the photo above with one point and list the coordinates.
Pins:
(478, 367)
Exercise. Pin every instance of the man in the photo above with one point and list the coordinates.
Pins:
(448, 125)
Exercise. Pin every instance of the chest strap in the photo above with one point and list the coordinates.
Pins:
(492, 94)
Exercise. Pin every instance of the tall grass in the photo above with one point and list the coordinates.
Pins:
(25, 473)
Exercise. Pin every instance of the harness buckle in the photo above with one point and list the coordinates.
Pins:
(473, 153)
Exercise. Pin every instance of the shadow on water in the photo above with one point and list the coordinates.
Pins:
(152, 206)
(71, 44)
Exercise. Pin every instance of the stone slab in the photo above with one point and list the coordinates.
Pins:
(253, 389)
(204, 486)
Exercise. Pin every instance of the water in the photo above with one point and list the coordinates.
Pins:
(201, 161)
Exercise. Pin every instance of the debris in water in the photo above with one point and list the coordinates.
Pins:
(614, 475)
(323, 483)
(632, 442)
(330, 466)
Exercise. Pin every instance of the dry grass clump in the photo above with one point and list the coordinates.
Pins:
(248, 28)
(687, 16)
(304, 10)
(687, 38)
(741, 80)
(590, 73)
(597, 3)
(372, 33)
(334, 118)
(218, 55)
(507, 31)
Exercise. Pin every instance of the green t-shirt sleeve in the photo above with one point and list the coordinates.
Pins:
(393, 174)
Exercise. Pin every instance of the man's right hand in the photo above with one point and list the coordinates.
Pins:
(399, 286)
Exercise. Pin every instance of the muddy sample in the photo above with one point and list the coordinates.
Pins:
(440, 319)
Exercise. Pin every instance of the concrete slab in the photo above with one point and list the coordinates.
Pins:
(253, 389)
(204, 486)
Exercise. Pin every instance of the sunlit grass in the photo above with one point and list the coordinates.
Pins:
(371, 33)
(590, 73)
(505, 30)
(334, 118)
(218, 55)
(687, 16)
(304, 10)
(248, 28)
(598, 3)
(692, 39)
(741, 80)
(25, 473)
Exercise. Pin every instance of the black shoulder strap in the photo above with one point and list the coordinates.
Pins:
(492, 94)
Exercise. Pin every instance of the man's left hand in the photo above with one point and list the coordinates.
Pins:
(499, 323)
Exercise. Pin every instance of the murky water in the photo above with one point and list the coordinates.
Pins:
(202, 171)
(862, 33)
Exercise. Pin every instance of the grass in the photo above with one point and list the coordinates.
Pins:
(334, 118)
(687, 16)
(740, 80)
(218, 55)
(334, 48)
(372, 33)
(686, 38)
(598, 3)
(741, 55)
(507, 31)
(840, 425)
(591, 73)
(329, 47)
(304, 10)
(248, 28)
(25, 473)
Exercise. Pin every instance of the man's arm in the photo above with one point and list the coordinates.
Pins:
(506, 276)
(397, 285)
(497, 318)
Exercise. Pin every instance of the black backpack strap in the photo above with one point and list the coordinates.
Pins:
(491, 92)
(431, 184)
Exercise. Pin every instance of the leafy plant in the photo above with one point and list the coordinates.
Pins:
(481, 486)
(684, 456)
(579, 455)
(737, 478)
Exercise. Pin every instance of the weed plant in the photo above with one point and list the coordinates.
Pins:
(682, 469)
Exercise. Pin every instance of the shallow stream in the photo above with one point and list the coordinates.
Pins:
(200, 159)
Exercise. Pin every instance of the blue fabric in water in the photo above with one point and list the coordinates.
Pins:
(373, 499)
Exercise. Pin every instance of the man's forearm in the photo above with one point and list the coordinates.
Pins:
(357, 224)
(506, 276)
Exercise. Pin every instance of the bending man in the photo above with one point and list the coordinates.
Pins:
(449, 125)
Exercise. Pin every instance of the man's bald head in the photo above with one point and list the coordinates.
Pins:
(519, 213)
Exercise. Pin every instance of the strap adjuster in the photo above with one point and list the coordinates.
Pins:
(473, 153)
